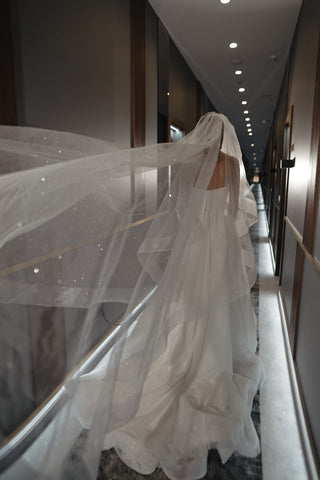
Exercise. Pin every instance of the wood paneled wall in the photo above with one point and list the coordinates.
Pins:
(300, 271)
(138, 73)
(8, 105)
(314, 167)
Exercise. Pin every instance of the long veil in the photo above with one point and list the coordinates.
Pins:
(90, 236)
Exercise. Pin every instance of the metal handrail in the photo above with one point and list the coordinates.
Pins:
(27, 433)
(312, 259)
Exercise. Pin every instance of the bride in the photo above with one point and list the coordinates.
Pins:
(181, 379)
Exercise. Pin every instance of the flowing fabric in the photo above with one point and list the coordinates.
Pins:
(87, 225)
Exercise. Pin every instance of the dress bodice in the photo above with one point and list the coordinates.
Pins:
(215, 199)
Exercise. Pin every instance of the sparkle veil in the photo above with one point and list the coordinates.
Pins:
(91, 228)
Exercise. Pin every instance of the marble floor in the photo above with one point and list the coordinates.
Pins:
(283, 455)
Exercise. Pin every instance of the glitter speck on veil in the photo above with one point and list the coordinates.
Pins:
(157, 247)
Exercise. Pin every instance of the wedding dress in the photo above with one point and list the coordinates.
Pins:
(198, 394)
(180, 378)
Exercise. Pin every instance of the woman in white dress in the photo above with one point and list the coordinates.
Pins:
(198, 393)
(182, 378)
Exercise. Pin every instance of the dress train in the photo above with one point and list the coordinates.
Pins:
(198, 393)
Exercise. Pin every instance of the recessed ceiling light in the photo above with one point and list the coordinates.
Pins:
(244, 102)
(252, 144)
(238, 72)
(250, 133)
(241, 89)
(248, 124)
(245, 112)
(224, 1)
(247, 119)
(233, 45)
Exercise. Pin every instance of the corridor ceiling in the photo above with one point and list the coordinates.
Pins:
(263, 31)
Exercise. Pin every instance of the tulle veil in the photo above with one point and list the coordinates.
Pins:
(90, 227)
